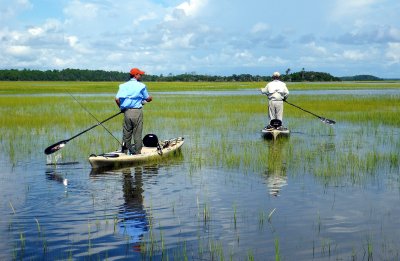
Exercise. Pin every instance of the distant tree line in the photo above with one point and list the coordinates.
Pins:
(63, 75)
(100, 75)
(193, 77)
(361, 78)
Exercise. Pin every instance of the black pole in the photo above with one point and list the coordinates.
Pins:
(59, 145)
(325, 120)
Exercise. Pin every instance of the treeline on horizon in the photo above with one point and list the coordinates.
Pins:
(100, 75)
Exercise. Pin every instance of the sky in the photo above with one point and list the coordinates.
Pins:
(212, 37)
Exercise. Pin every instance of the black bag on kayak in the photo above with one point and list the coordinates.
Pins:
(275, 123)
(150, 140)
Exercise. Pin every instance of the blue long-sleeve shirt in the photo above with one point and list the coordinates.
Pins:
(131, 94)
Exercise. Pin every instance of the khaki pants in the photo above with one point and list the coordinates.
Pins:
(133, 126)
(275, 110)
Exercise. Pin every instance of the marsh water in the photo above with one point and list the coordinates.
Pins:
(325, 193)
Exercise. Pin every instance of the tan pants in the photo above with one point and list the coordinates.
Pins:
(133, 126)
(275, 110)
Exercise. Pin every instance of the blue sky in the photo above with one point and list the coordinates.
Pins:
(219, 37)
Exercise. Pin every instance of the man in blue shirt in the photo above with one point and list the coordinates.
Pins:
(130, 99)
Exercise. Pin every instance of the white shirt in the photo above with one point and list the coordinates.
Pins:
(275, 90)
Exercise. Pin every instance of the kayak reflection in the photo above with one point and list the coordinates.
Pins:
(276, 170)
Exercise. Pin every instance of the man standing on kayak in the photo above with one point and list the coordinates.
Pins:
(130, 99)
(277, 92)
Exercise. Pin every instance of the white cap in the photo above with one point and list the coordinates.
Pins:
(276, 74)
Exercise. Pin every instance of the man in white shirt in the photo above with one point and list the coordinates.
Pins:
(277, 92)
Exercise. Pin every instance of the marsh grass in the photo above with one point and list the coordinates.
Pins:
(277, 251)
(222, 130)
(12, 207)
(51, 87)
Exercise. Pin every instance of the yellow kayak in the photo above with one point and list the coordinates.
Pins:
(119, 159)
(273, 133)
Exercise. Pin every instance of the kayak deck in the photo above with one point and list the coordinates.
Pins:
(273, 133)
(120, 159)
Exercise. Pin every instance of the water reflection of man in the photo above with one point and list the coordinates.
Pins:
(132, 217)
(276, 169)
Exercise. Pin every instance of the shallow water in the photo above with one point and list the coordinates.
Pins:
(292, 92)
(243, 92)
(230, 193)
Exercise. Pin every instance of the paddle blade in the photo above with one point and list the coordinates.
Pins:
(328, 121)
(55, 147)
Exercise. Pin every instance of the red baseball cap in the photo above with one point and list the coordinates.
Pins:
(136, 71)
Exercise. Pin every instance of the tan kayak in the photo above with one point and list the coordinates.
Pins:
(273, 133)
(119, 159)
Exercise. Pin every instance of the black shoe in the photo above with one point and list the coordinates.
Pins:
(124, 149)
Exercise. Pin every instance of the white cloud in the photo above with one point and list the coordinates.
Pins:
(393, 53)
(244, 55)
(35, 31)
(12, 37)
(146, 17)
(271, 61)
(192, 7)
(9, 9)
(59, 62)
(189, 9)
(115, 57)
(43, 36)
(18, 50)
(369, 35)
(81, 10)
(23, 3)
(72, 40)
(77, 46)
(51, 25)
(319, 50)
(353, 8)
(173, 42)
(394, 33)
(260, 27)
(354, 55)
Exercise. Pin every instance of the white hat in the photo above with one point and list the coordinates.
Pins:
(276, 74)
